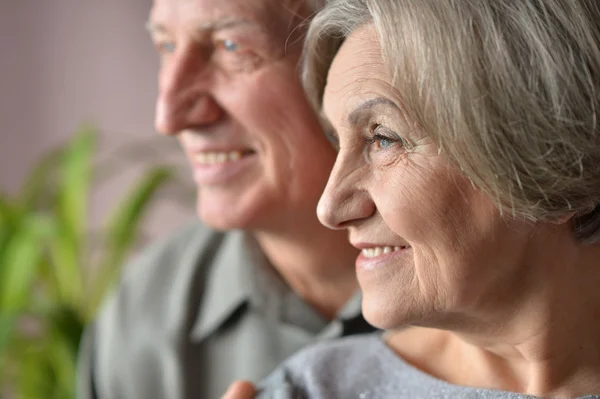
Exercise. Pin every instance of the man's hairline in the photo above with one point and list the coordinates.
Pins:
(264, 24)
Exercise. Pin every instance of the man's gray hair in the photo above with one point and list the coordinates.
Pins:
(510, 90)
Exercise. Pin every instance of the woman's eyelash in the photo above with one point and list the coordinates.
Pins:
(391, 138)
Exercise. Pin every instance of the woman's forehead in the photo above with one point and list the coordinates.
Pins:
(357, 71)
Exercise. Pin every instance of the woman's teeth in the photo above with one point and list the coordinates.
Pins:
(378, 251)
(217, 157)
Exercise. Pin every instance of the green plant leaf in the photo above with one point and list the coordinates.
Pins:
(8, 322)
(46, 360)
(7, 227)
(36, 377)
(123, 230)
(40, 186)
(76, 179)
(45, 366)
(73, 202)
(6, 209)
(47, 293)
(67, 324)
(64, 365)
(10, 214)
(21, 259)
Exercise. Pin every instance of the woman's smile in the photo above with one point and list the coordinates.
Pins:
(376, 256)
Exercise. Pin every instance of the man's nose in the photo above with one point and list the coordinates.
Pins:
(184, 98)
(344, 202)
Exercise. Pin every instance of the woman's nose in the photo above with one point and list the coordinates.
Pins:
(345, 201)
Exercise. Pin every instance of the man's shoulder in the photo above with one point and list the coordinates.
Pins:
(155, 284)
(166, 255)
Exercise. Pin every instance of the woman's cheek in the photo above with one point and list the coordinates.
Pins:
(416, 203)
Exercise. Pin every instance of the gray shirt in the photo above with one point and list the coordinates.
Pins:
(363, 367)
(194, 313)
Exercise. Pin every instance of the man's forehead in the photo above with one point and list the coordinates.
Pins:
(268, 13)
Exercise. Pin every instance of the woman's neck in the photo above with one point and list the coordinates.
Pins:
(317, 263)
(547, 344)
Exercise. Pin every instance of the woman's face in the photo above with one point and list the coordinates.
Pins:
(434, 249)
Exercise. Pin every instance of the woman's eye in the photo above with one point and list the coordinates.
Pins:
(383, 138)
(382, 143)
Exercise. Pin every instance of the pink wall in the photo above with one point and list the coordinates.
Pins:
(63, 62)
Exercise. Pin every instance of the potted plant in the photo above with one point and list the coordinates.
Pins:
(51, 280)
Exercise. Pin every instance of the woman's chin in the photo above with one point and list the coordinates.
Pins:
(385, 314)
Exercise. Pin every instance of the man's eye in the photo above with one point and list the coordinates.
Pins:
(234, 56)
(166, 47)
(228, 45)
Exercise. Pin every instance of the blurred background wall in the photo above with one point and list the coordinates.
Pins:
(65, 62)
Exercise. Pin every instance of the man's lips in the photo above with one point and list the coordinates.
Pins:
(217, 157)
(220, 167)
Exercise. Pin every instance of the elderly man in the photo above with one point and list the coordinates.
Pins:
(230, 301)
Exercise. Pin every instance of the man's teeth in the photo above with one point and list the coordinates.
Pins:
(217, 157)
(378, 251)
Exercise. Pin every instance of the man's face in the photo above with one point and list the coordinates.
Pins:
(229, 88)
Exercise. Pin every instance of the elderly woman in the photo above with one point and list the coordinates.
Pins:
(468, 174)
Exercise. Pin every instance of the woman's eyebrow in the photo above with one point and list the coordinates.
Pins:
(358, 113)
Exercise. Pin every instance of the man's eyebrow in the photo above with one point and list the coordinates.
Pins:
(156, 28)
(359, 112)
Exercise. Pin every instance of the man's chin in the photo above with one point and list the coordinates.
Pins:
(220, 221)
(222, 217)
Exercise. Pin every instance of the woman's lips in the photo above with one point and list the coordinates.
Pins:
(378, 256)
(374, 252)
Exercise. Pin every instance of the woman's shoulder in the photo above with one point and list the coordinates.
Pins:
(342, 351)
(328, 369)
(363, 367)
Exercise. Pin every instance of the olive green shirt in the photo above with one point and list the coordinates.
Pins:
(195, 313)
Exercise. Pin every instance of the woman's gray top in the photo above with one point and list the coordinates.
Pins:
(363, 367)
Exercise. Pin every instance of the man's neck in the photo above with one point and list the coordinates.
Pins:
(317, 264)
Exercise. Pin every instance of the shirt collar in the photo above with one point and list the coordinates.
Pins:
(240, 274)
(229, 284)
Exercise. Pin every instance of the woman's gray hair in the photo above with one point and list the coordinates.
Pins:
(510, 91)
